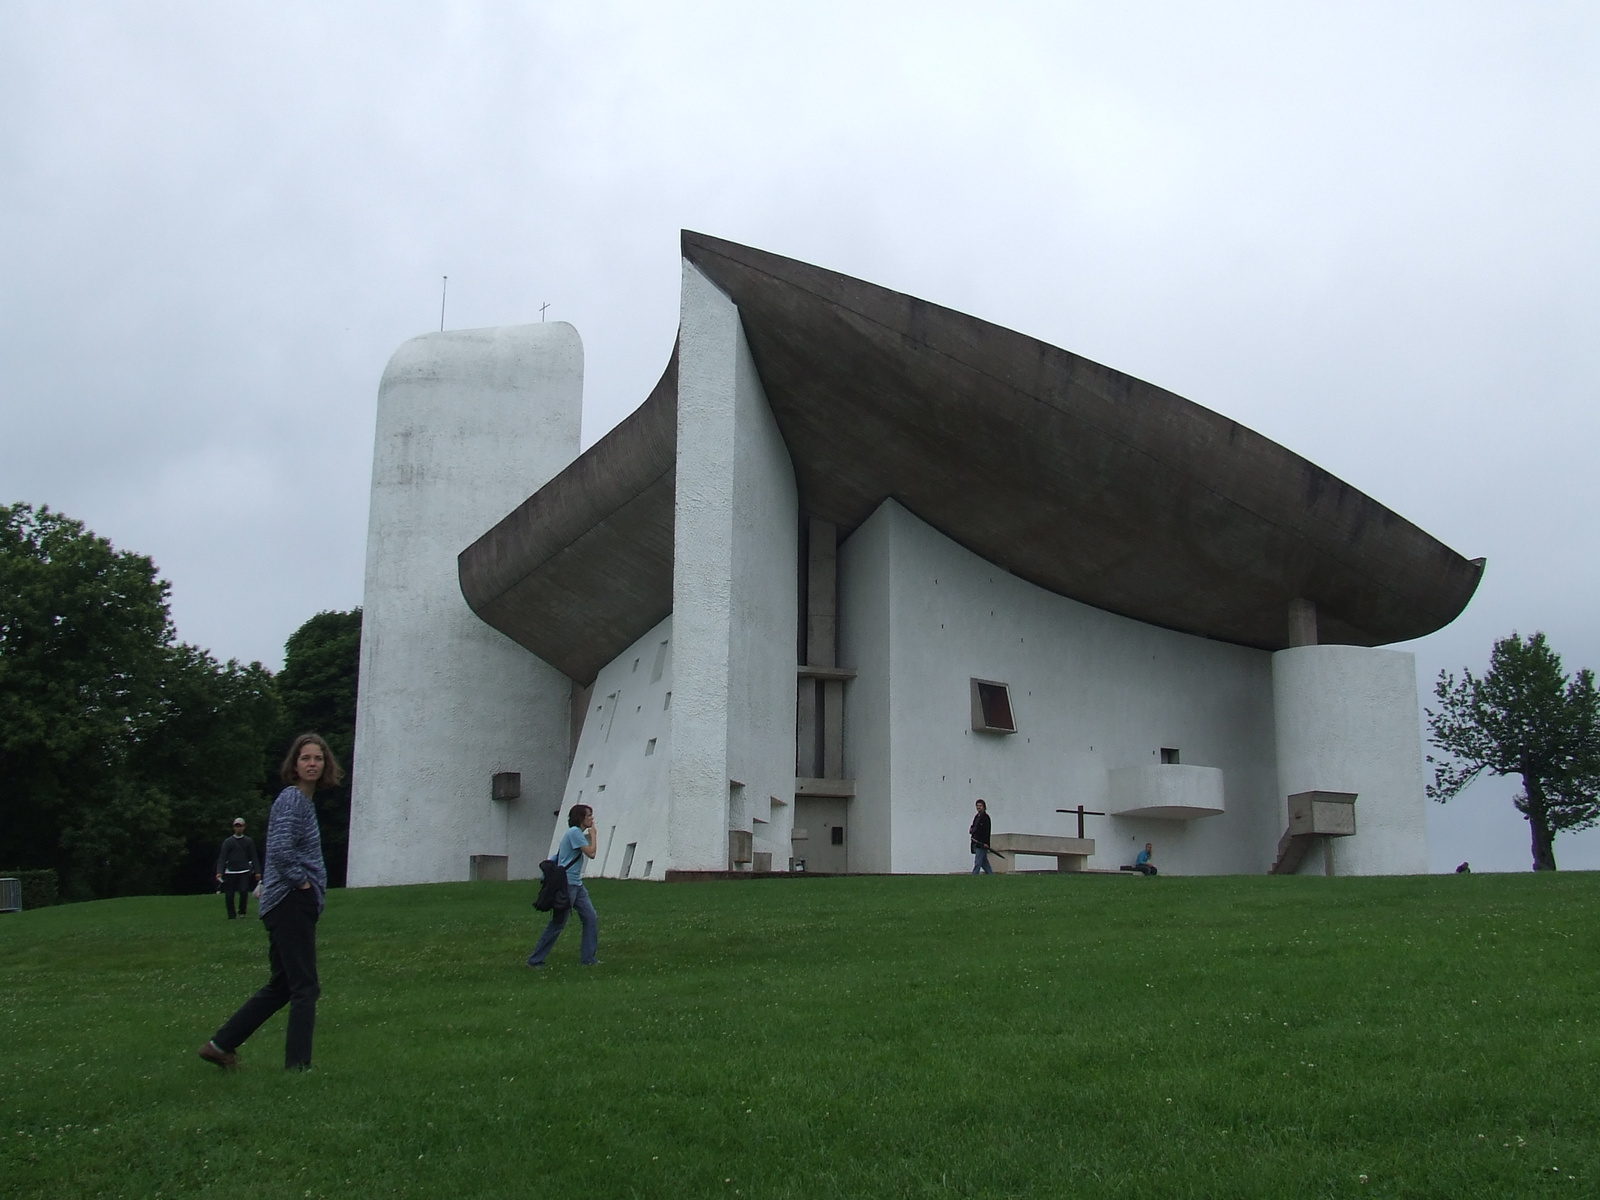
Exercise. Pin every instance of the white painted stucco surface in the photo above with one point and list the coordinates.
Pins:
(866, 642)
(1167, 791)
(1347, 722)
(620, 767)
(734, 596)
(1091, 691)
(469, 424)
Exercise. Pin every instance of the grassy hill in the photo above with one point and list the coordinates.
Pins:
(937, 1036)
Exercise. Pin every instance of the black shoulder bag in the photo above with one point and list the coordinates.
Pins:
(554, 894)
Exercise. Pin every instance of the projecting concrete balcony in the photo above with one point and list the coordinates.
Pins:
(1167, 792)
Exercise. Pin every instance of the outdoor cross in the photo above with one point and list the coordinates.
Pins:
(1082, 813)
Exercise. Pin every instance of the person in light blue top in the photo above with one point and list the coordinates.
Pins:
(576, 845)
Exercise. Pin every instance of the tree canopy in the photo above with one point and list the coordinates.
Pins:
(1526, 718)
(122, 750)
(321, 667)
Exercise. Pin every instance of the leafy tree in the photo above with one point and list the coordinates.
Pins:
(1524, 717)
(121, 750)
(207, 758)
(318, 683)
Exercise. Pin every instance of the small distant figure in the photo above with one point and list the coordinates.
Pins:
(238, 868)
(1142, 863)
(979, 833)
(1464, 869)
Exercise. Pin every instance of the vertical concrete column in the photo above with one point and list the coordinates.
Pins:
(822, 640)
(1347, 721)
(469, 424)
(820, 731)
(822, 594)
(735, 605)
(1302, 622)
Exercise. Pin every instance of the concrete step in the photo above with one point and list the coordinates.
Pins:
(1292, 850)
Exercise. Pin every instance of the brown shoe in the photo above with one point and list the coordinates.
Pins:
(226, 1059)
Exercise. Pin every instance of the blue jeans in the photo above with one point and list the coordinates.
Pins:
(980, 862)
(558, 921)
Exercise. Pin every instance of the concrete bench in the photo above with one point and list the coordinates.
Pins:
(1070, 853)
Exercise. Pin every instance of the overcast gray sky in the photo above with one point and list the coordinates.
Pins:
(1370, 231)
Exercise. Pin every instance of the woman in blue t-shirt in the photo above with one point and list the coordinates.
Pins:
(576, 844)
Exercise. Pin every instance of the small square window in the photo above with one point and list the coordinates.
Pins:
(836, 835)
(1169, 755)
(991, 707)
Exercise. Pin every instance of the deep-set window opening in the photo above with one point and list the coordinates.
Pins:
(991, 707)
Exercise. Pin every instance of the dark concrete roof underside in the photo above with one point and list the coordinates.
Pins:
(1081, 479)
(583, 567)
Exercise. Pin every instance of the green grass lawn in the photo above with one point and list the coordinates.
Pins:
(933, 1036)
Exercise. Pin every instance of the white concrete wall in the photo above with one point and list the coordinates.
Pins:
(1091, 692)
(1347, 722)
(470, 424)
(620, 767)
(866, 623)
(735, 606)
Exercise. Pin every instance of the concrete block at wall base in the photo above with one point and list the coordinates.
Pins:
(489, 867)
(740, 847)
(763, 861)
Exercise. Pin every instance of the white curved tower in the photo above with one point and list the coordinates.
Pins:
(470, 423)
(1347, 722)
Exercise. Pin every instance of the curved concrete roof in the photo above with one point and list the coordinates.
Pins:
(1079, 478)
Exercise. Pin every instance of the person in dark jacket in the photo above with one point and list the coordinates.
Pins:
(979, 834)
(292, 889)
(238, 868)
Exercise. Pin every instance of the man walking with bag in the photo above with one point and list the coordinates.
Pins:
(238, 868)
(577, 844)
(978, 833)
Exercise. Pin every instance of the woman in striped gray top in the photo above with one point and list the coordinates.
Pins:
(293, 885)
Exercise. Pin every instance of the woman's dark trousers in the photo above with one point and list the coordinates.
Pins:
(292, 937)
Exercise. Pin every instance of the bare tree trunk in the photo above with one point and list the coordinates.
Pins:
(1544, 851)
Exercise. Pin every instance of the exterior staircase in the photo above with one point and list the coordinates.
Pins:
(1312, 817)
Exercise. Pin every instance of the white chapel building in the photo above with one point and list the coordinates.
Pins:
(856, 561)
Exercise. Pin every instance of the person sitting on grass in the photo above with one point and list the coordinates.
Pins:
(1142, 863)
